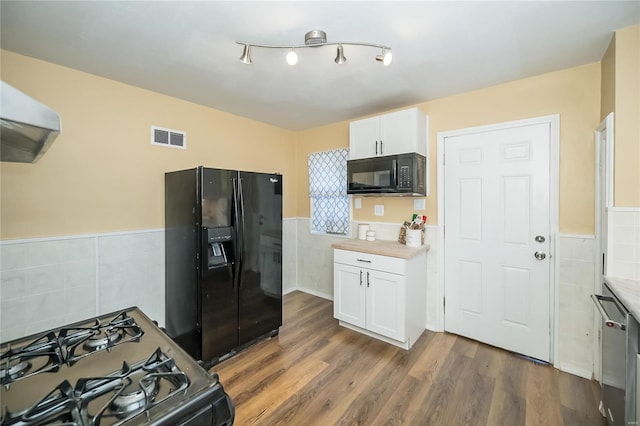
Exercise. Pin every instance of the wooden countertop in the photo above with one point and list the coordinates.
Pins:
(381, 247)
(628, 291)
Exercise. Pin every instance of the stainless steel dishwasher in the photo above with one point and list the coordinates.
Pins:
(619, 341)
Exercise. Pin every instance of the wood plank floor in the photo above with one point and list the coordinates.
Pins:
(318, 373)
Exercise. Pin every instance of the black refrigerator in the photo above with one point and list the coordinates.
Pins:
(223, 259)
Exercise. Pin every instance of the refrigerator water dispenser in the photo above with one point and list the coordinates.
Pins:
(218, 244)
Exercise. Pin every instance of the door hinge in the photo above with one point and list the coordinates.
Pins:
(444, 304)
(443, 159)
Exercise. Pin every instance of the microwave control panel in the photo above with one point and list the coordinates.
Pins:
(404, 176)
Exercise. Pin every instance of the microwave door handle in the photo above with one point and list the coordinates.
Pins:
(394, 168)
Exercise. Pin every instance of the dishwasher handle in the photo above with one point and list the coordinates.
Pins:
(597, 299)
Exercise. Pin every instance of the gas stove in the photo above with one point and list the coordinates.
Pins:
(117, 369)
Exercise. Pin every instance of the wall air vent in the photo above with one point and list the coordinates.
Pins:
(168, 137)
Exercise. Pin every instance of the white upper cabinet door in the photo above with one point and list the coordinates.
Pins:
(398, 132)
(349, 294)
(403, 131)
(364, 136)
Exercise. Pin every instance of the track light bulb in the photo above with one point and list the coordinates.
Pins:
(292, 57)
(246, 55)
(385, 58)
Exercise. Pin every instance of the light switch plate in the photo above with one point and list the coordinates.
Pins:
(419, 204)
(378, 210)
(358, 203)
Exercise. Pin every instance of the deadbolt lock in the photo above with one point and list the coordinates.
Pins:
(539, 239)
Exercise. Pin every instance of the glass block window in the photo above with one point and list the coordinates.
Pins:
(328, 192)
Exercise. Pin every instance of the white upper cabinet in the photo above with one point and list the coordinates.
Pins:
(398, 132)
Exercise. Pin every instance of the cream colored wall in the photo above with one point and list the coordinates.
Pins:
(608, 80)
(102, 174)
(627, 118)
(573, 93)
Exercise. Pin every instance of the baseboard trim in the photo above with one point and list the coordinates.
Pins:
(576, 371)
(311, 292)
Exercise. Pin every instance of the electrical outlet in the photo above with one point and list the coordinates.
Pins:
(378, 210)
(419, 204)
(358, 203)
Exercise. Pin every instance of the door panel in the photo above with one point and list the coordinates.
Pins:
(363, 136)
(349, 300)
(385, 304)
(260, 281)
(496, 202)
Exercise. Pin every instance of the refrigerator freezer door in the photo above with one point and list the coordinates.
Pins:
(260, 298)
(219, 295)
(181, 247)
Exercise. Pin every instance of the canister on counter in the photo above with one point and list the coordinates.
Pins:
(362, 231)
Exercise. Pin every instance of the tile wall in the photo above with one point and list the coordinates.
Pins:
(48, 282)
(576, 337)
(624, 243)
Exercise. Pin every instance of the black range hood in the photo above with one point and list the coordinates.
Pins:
(27, 127)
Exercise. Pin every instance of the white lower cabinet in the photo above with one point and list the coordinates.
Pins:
(381, 296)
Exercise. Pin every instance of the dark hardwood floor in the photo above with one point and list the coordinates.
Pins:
(318, 373)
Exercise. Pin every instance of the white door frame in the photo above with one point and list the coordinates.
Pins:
(604, 166)
(554, 139)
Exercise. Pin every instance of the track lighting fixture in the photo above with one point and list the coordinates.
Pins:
(246, 54)
(316, 38)
(340, 59)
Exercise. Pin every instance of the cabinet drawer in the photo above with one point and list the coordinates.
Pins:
(393, 265)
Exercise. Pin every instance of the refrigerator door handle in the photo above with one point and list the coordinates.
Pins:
(241, 239)
(236, 245)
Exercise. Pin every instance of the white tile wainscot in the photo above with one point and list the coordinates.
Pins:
(576, 315)
(49, 282)
(289, 254)
(624, 242)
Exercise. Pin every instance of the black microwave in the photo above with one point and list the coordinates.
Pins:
(401, 174)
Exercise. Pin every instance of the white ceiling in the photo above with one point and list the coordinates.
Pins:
(188, 50)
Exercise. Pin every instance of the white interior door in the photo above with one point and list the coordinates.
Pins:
(497, 217)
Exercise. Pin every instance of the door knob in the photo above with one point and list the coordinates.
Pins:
(539, 239)
(540, 255)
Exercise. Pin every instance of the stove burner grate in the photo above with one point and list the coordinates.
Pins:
(110, 399)
(80, 342)
(99, 342)
(13, 371)
(131, 401)
(41, 355)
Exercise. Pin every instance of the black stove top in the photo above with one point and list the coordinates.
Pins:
(116, 369)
